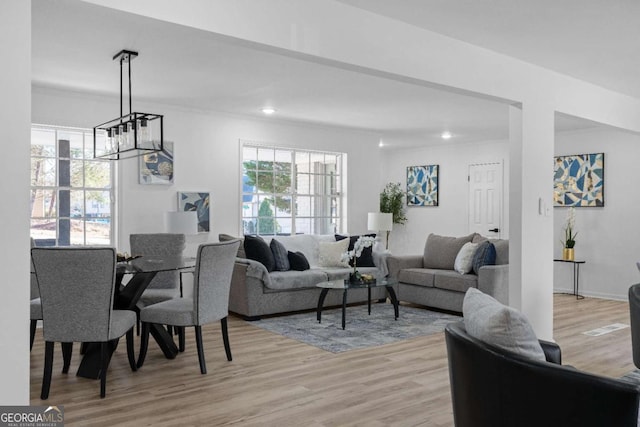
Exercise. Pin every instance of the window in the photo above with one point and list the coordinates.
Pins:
(287, 191)
(71, 193)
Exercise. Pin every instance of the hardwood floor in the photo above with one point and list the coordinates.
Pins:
(275, 381)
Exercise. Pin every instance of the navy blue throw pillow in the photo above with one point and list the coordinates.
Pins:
(297, 261)
(364, 260)
(485, 255)
(258, 250)
(279, 255)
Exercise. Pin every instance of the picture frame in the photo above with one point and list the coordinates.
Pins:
(199, 202)
(423, 185)
(157, 168)
(578, 180)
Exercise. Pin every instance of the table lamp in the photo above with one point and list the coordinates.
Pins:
(379, 221)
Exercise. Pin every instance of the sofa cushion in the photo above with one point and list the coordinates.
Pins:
(366, 258)
(440, 251)
(464, 260)
(485, 255)
(258, 250)
(502, 251)
(297, 261)
(453, 281)
(330, 253)
(500, 326)
(280, 255)
(283, 280)
(307, 244)
(417, 276)
(227, 237)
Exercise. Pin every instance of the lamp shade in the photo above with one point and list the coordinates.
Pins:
(378, 221)
(181, 222)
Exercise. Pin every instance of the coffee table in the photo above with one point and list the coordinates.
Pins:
(345, 285)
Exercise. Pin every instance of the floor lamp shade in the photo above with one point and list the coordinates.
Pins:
(181, 222)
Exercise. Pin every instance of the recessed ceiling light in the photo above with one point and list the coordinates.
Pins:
(268, 110)
(381, 144)
(446, 135)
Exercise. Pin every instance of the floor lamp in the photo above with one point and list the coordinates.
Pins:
(378, 221)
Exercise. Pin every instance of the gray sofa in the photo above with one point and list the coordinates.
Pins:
(256, 292)
(430, 279)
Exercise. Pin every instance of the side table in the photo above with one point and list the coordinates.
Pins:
(576, 275)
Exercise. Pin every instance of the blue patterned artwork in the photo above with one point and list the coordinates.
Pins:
(198, 202)
(422, 185)
(578, 180)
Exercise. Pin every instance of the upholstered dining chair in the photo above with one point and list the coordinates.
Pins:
(77, 290)
(634, 314)
(165, 285)
(34, 305)
(210, 302)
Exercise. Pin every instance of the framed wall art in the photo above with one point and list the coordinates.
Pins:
(157, 168)
(578, 180)
(422, 185)
(199, 202)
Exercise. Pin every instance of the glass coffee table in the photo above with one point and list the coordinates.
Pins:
(345, 285)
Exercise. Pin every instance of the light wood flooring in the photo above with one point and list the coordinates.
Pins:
(275, 381)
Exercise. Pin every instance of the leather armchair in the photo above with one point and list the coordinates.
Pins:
(491, 387)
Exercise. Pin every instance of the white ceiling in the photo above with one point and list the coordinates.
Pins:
(73, 43)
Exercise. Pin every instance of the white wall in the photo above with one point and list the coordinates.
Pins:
(207, 159)
(450, 218)
(609, 237)
(15, 112)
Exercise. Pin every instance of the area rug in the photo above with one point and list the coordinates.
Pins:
(361, 330)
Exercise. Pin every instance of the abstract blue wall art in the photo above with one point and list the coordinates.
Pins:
(578, 180)
(422, 185)
(157, 168)
(198, 202)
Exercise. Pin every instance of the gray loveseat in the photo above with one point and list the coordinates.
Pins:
(256, 292)
(430, 279)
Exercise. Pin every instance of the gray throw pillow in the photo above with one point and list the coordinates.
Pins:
(280, 255)
(440, 251)
(485, 255)
(500, 326)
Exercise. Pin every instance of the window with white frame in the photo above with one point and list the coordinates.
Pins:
(291, 191)
(71, 192)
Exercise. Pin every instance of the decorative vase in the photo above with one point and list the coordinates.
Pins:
(355, 277)
(567, 254)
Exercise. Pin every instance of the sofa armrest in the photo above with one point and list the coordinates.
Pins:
(494, 280)
(397, 263)
(552, 352)
(380, 261)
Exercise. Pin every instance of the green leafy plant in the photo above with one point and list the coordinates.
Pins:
(392, 200)
(569, 234)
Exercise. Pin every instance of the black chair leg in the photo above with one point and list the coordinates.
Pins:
(32, 331)
(203, 365)
(48, 367)
(181, 344)
(104, 364)
(67, 350)
(171, 330)
(144, 344)
(130, 355)
(225, 338)
(83, 347)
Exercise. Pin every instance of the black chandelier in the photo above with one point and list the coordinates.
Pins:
(130, 135)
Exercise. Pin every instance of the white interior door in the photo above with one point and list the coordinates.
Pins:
(485, 199)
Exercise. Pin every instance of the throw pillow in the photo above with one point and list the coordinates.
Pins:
(279, 255)
(464, 259)
(258, 250)
(298, 261)
(500, 326)
(485, 255)
(226, 237)
(440, 251)
(366, 258)
(330, 253)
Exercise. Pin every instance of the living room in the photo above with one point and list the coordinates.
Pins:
(207, 150)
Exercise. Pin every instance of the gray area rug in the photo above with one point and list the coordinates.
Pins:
(633, 377)
(361, 330)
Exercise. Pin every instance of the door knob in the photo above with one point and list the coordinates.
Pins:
(495, 230)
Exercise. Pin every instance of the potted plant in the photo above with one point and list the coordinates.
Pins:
(569, 236)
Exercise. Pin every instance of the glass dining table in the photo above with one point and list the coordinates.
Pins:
(141, 270)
